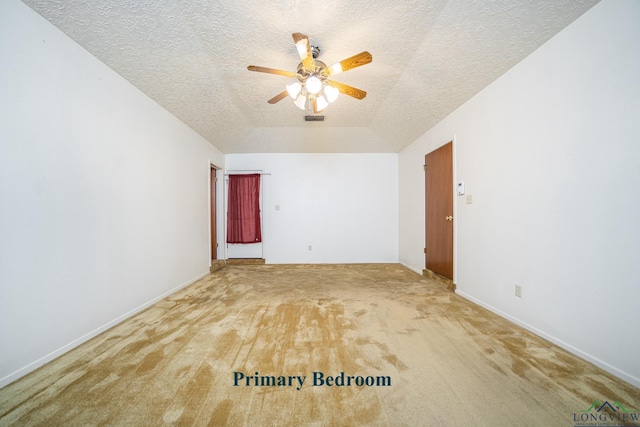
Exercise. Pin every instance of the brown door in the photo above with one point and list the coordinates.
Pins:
(439, 211)
(214, 234)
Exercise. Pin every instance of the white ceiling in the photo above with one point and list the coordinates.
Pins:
(429, 57)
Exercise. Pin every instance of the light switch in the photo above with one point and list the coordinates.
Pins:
(277, 207)
(460, 188)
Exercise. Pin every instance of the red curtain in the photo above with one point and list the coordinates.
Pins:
(243, 209)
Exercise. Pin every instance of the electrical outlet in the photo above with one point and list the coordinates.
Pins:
(519, 291)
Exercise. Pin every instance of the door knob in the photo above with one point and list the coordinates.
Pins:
(449, 218)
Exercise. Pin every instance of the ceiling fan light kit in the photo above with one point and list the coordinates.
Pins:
(314, 91)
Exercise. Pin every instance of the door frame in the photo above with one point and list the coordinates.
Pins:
(214, 213)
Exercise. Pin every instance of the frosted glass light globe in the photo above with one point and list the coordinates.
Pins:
(321, 103)
(331, 93)
(294, 89)
(301, 102)
(313, 85)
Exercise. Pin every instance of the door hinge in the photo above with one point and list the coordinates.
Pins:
(424, 167)
(425, 250)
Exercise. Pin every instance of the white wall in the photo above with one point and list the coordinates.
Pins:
(342, 205)
(550, 153)
(104, 195)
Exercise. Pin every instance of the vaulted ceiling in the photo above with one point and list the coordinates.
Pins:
(429, 57)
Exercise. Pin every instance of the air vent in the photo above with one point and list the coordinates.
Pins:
(314, 118)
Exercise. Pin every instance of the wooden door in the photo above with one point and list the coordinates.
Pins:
(214, 222)
(439, 211)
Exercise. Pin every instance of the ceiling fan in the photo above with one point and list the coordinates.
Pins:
(314, 90)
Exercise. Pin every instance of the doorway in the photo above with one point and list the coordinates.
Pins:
(244, 252)
(439, 211)
(214, 218)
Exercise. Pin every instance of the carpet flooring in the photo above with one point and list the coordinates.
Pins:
(315, 345)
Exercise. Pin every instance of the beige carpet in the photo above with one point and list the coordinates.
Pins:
(430, 358)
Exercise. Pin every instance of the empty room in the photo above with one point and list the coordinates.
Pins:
(320, 213)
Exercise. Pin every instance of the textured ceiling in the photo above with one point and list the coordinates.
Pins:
(429, 57)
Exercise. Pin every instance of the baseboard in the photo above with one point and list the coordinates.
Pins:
(86, 337)
(245, 261)
(444, 281)
(571, 349)
(419, 271)
(217, 264)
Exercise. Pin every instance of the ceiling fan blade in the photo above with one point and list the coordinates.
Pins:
(279, 97)
(272, 71)
(348, 90)
(363, 58)
(304, 50)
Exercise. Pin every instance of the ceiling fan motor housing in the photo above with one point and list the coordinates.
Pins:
(320, 70)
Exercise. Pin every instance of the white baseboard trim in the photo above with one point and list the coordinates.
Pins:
(411, 268)
(571, 349)
(86, 337)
